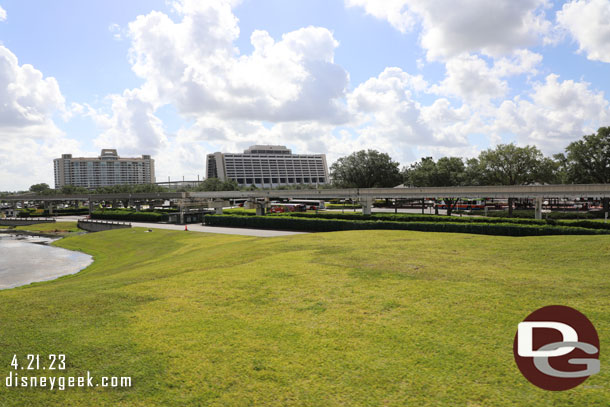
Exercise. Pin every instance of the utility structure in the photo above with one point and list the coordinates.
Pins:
(366, 196)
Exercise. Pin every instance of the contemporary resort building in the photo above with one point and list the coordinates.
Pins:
(268, 166)
(107, 169)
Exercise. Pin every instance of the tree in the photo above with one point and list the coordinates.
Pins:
(41, 189)
(587, 161)
(508, 164)
(446, 172)
(365, 169)
(71, 189)
(215, 184)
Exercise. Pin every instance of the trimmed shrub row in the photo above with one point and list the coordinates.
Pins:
(240, 212)
(330, 225)
(31, 213)
(129, 216)
(529, 214)
(341, 206)
(408, 217)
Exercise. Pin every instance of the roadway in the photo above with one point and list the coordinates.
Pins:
(197, 227)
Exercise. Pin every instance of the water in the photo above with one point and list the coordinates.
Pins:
(26, 259)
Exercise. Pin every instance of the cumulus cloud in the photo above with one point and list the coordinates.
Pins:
(559, 112)
(588, 23)
(453, 27)
(131, 126)
(394, 11)
(392, 120)
(477, 82)
(2, 14)
(28, 136)
(26, 98)
(195, 64)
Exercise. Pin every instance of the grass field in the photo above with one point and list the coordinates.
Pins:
(61, 228)
(392, 318)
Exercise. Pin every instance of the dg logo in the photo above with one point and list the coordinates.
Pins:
(556, 348)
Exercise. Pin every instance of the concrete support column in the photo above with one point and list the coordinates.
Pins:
(261, 207)
(538, 207)
(138, 206)
(90, 207)
(423, 206)
(367, 205)
(51, 208)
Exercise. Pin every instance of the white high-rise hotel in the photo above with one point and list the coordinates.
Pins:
(268, 166)
(105, 170)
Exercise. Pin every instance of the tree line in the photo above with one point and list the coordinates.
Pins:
(584, 161)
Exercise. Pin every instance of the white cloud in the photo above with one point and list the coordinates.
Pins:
(29, 138)
(131, 126)
(588, 21)
(116, 31)
(26, 98)
(394, 11)
(2, 14)
(453, 27)
(472, 79)
(391, 120)
(559, 112)
(194, 64)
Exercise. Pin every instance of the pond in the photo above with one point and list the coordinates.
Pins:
(27, 259)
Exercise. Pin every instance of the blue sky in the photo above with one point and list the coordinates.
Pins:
(180, 79)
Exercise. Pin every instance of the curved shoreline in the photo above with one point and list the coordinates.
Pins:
(35, 268)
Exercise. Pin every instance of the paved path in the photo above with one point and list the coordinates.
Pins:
(197, 227)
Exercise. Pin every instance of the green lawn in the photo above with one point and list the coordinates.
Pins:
(392, 318)
(61, 228)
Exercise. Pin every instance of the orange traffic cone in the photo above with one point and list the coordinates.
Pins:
(186, 229)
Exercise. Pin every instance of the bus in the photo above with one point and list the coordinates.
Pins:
(309, 203)
(464, 204)
(281, 207)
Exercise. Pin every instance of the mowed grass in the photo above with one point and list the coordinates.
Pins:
(54, 227)
(359, 318)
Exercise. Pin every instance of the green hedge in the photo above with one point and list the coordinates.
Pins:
(129, 216)
(239, 211)
(342, 206)
(30, 213)
(530, 214)
(411, 217)
(408, 217)
(329, 225)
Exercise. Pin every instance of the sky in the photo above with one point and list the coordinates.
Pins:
(179, 79)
